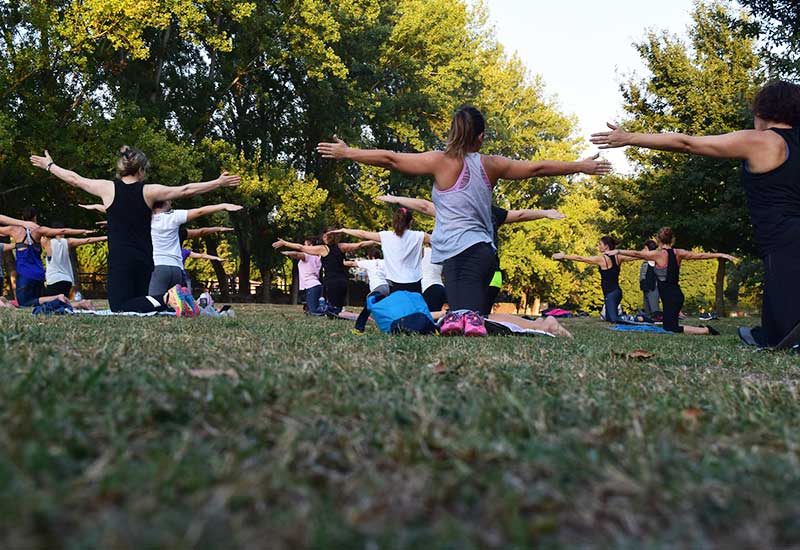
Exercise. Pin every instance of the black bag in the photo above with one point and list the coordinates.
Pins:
(649, 282)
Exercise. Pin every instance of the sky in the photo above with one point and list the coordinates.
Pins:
(583, 48)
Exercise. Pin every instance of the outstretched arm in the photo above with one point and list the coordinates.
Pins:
(205, 231)
(358, 234)
(201, 256)
(689, 255)
(505, 168)
(99, 188)
(314, 250)
(594, 260)
(6, 220)
(96, 207)
(88, 240)
(415, 164)
(348, 248)
(195, 213)
(649, 255)
(299, 256)
(418, 205)
(62, 231)
(515, 216)
(153, 193)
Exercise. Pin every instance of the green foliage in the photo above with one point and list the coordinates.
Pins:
(776, 23)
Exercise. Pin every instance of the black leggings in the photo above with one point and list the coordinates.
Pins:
(672, 301)
(435, 297)
(145, 304)
(127, 280)
(336, 292)
(780, 311)
(409, 287)
(467, 277)
(61, 287)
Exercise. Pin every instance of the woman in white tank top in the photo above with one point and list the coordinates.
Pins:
(59, 276)
(462, 192)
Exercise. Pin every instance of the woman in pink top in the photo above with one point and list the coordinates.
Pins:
(308, 267)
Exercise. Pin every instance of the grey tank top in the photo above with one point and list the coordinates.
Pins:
(463, 212)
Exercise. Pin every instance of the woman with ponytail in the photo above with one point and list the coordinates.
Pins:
(402, 250)
(462, 194)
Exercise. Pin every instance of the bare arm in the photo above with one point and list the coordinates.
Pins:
(5, 220)
(353, 247)
(689, 255)
(88, 240)
(763, 150)
(515, 216)
(594, 260)
(418, 205)
(200, 256)
(359, 234)
(314, 250)
(415, 164)
(62, 231)
(350, 263)
(153, 193)
(99, 188)
(299, 256)
(96, 207)
(649, 255)
(211, 209)
(505, 168)
(205, 231)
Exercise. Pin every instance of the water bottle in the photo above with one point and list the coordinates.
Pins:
(78, 296)
(322, 305)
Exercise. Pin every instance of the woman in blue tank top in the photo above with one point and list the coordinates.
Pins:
(770, 156)
(462, 192)
(128, 201)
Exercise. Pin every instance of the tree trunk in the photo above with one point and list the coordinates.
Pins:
(719, 302)
(537, 304)
(295, 283)
(219, 271)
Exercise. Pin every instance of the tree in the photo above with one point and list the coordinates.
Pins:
(777, 24)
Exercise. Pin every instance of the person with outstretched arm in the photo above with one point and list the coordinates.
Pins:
(129, 202)
(462, 192)
(770, 157)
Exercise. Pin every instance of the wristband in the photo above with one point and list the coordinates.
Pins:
(50, 165)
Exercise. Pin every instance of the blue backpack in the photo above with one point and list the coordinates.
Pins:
(401, 312)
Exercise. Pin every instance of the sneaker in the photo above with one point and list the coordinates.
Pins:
(473, 324)
(187, 295)
(177, 301)
(708, 317)
(452, 325)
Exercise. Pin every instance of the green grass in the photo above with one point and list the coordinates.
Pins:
(313, 437)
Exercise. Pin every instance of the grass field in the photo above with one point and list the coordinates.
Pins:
(276, 430)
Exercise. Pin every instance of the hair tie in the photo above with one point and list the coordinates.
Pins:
(403, 210)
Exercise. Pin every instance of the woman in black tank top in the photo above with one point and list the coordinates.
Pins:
(128, 202)
(331, 253)
(609, 266)
(668, 263)
(771, 176)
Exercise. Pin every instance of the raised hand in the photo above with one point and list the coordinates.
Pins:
(595, 167)
(233, 207)
(559, 256)
(610, 140)
(335, 232)
(41, 162)
(227, 180)
(279, 243)
(386, 198)
(614, 252)
(335, 150)
(729, 257)
(554, 215)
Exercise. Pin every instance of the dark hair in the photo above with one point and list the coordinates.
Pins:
(183, 233)
(158, 205)
(467, 124)
(778, 101)
(57, 225)
(315, 240)
(29, 213)
(401, 220)
(610, 242)
(665, 236)
(131, 161)
(374, 253)
(650, 244)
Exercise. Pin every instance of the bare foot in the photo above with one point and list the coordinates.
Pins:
(84, 304)
(554, 327)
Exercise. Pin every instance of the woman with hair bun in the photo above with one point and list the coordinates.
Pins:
(668, 264)
(609, 266)
(462, 194)
(128, 202)
(770, 156)
(402, 250)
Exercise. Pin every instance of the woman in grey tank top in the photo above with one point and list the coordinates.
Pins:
(462, 193)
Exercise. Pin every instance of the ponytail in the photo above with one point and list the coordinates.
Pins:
(401, 220)
(665, 236)
(467, 125)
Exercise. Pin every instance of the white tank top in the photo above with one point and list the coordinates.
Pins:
(59, 268)
(431, 272)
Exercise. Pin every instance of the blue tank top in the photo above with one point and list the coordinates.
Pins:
(29, 258)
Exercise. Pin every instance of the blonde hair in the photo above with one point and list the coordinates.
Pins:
(131, 161)
(467, 124)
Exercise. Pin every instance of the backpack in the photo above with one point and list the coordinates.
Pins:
(401, 312)
(649, 282)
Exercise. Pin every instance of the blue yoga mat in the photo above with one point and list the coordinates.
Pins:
(640, 328)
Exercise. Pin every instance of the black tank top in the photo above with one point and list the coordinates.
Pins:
(129, 225)
(774, 198)
(673, 271)
(333, 263)
(609, 278)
